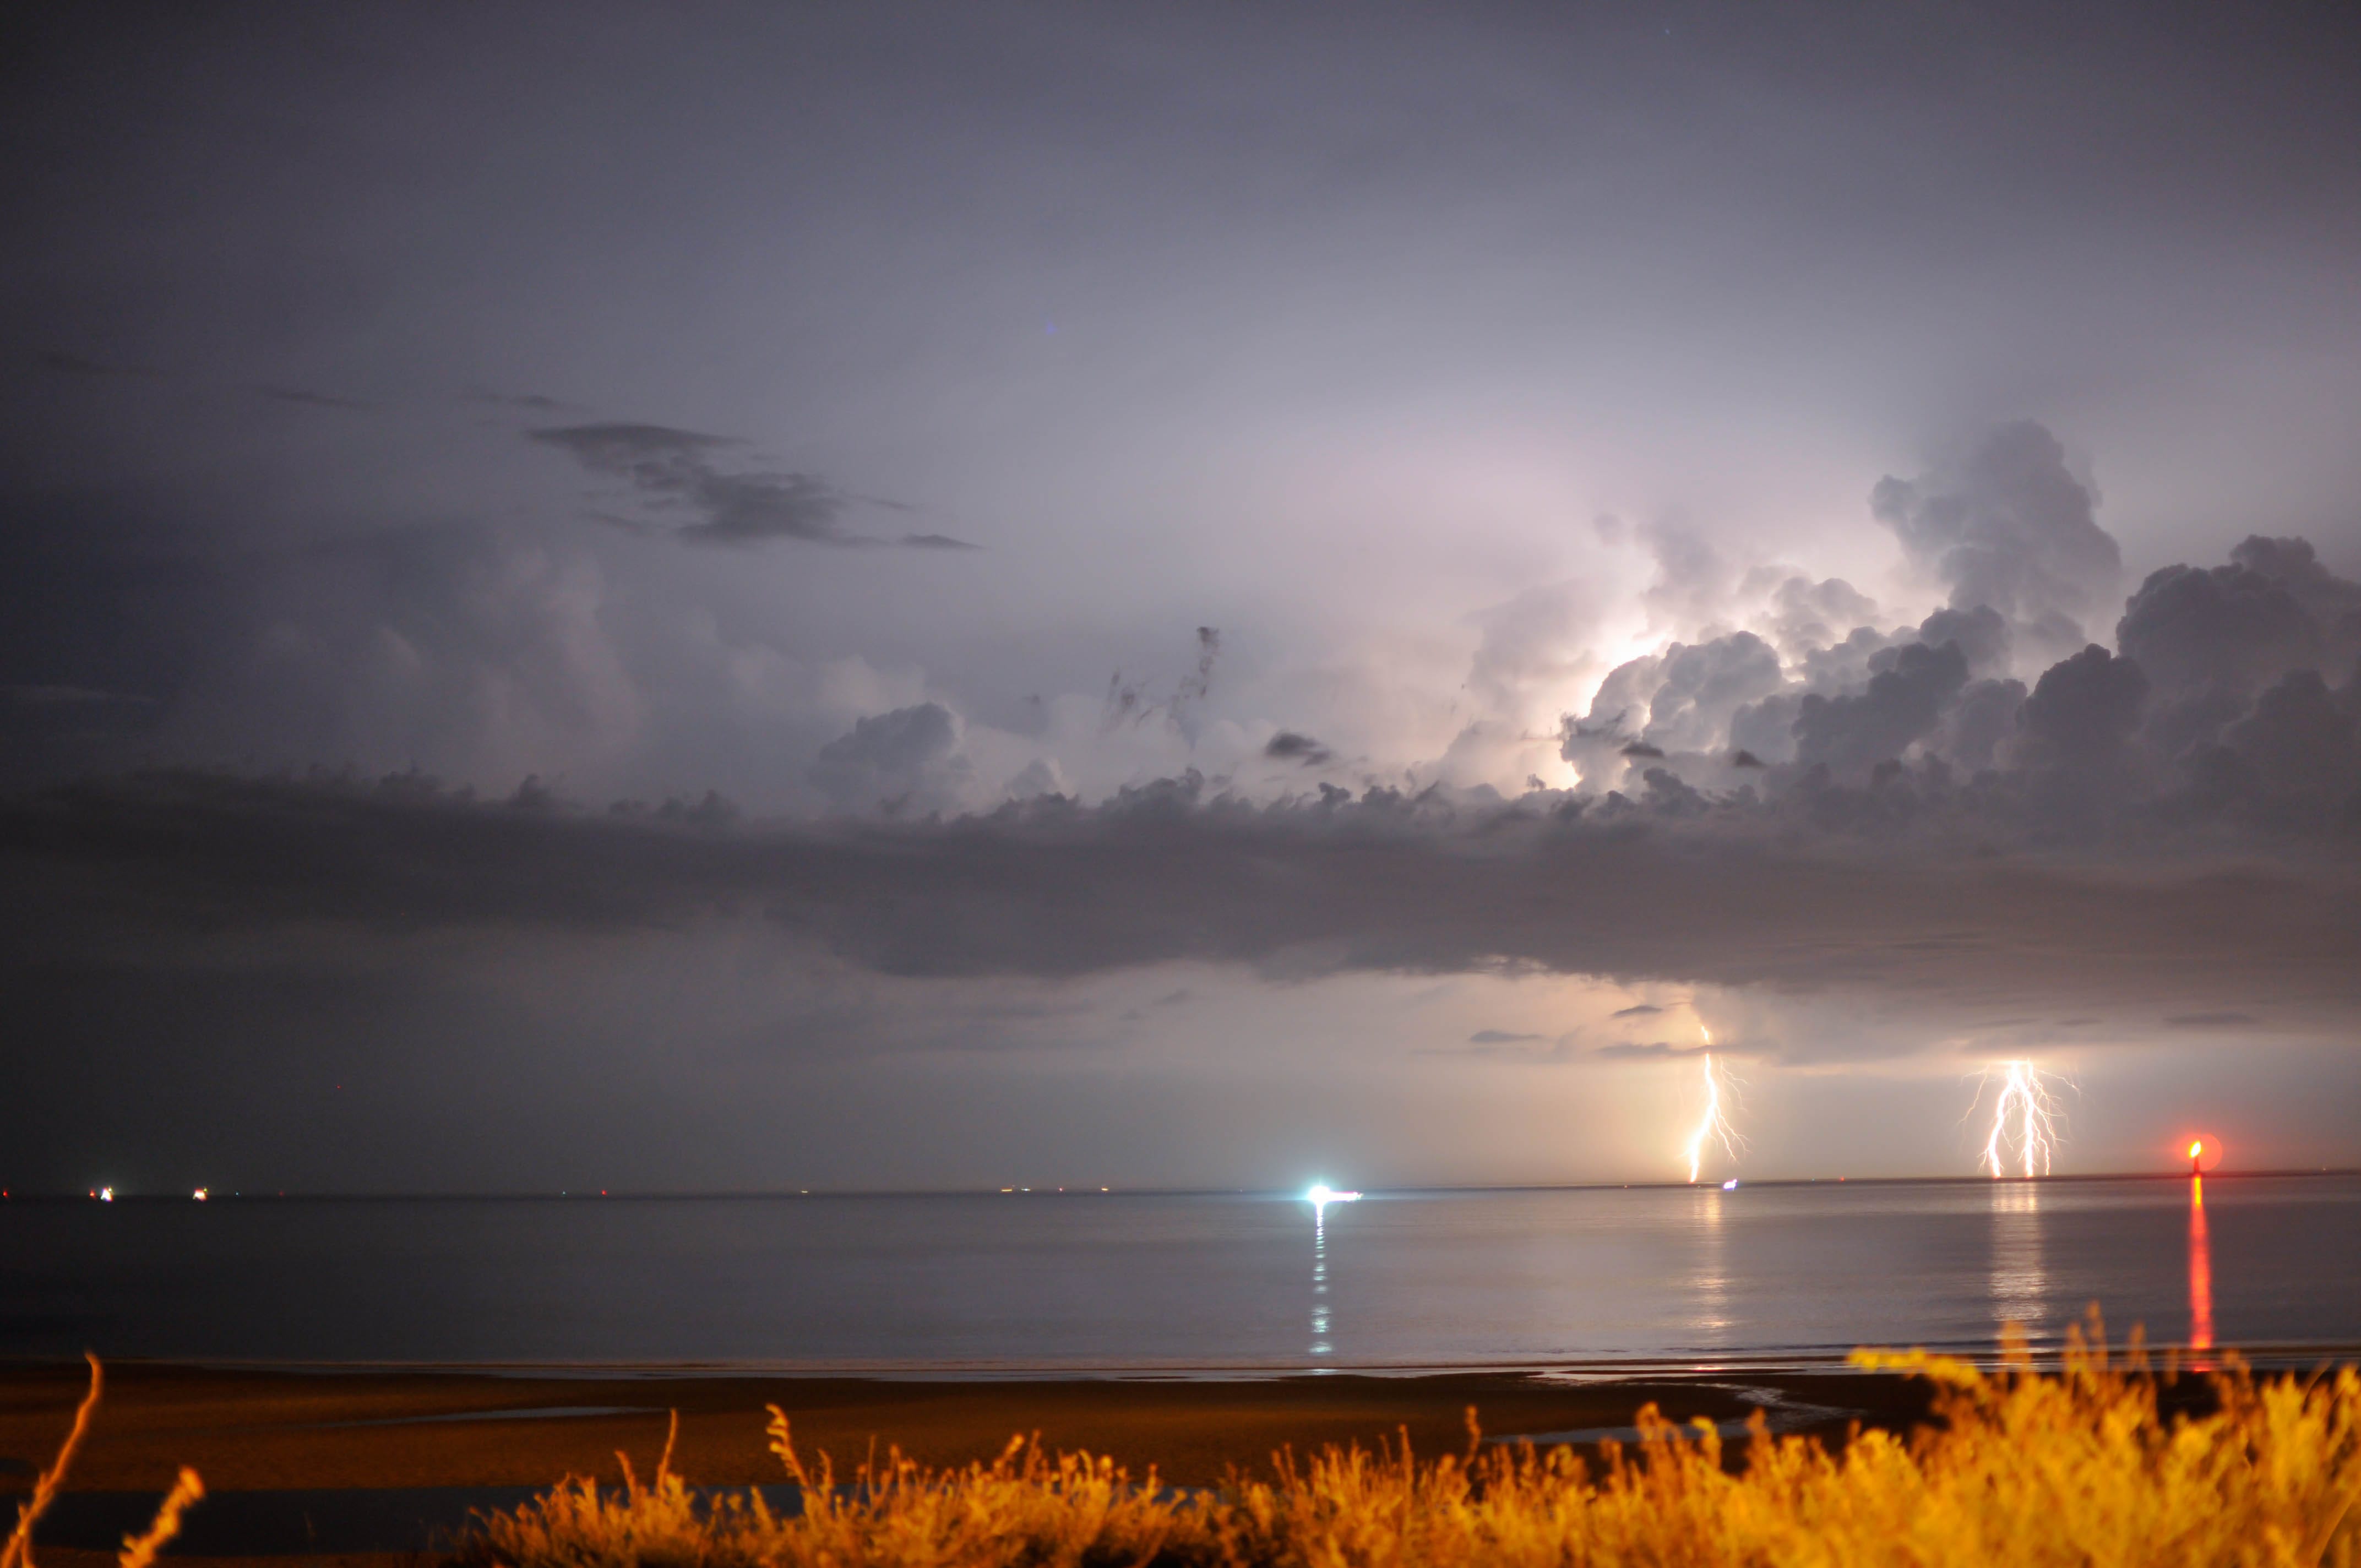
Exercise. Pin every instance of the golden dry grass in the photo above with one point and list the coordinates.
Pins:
(2081, 1467)
(138, 1552)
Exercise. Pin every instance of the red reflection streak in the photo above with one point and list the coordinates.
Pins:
(2200, 1271)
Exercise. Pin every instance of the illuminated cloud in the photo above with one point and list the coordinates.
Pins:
(377, 687)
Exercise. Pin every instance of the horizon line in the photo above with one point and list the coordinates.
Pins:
(1414, 1189)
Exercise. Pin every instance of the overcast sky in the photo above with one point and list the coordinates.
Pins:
(734, 596)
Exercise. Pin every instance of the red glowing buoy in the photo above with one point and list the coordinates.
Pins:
(2202, 1151)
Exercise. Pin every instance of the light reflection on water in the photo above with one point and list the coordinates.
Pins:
(1671, 1275)
(2200, 1271)
(2020, 1285)
(1712, 1314)
(1320, 1346)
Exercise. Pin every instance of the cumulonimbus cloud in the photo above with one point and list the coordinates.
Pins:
(2010, 527)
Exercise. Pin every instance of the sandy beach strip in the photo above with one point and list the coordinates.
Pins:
(253, 1430)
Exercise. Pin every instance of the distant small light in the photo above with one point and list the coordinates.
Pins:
(199, 1194)
(1731, 1185)
(107, 1194)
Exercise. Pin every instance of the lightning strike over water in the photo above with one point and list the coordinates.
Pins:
(1714, 1124)
(2025, 1102)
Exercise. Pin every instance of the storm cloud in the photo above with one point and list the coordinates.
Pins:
(1727, 895)
(903, 761)
(2011, 529)
(1287, 746)
(1836, 526)
(683, 490)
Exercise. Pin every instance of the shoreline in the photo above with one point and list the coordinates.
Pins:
(1703, 1367)
(383, 1466)
(283, 1430)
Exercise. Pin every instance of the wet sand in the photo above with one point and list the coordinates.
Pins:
(256, 1430)
(359, 1443)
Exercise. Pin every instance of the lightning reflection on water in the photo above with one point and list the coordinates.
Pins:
(2020, 1275)
(1711, 1280)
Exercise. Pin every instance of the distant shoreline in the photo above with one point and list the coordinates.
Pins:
(1281, 1195)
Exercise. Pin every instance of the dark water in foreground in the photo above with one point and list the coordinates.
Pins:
(1086, 1283)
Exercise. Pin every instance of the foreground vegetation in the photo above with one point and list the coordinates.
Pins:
(138, 1552)
(2081, 1467)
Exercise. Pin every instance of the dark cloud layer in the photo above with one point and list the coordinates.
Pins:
(1899, 707)
(1735, 896)
(1287, 746)
(906, 762)
(685, 492)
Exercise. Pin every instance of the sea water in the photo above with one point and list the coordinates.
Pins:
(1090, 1283)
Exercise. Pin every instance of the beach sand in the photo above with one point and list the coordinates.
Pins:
(279, 1431)
(258, 1429)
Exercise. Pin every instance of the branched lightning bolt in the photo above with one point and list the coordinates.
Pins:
(2026, 1100)
(1714, 1124)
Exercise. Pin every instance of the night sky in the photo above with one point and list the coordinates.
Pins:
(735, 596)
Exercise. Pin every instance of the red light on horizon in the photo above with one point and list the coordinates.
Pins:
(2200, 1151)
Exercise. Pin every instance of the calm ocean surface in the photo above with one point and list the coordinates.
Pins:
(1090, 1283)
